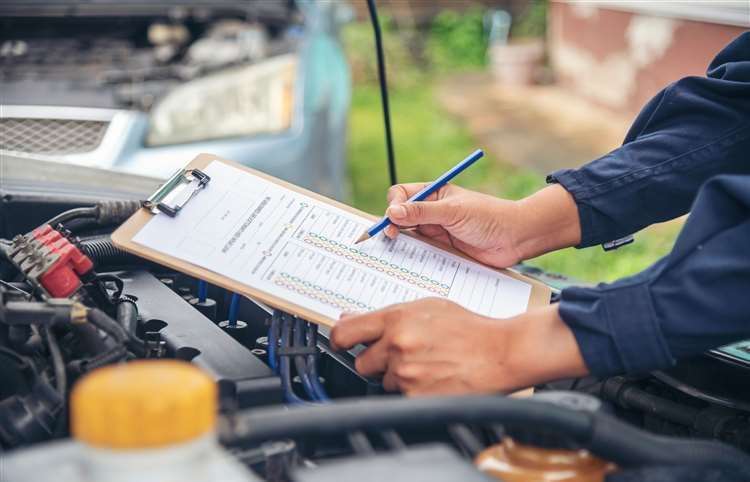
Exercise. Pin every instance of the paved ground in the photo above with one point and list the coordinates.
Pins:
(541, 127)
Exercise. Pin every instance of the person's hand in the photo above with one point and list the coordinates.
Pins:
(434, 346)
(496, 232)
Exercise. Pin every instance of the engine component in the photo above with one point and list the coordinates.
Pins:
(601, 434)
(127, 432)
(701, 420)
(49, 312)
(103, 253)
(50, 261)
(147, 311)
(244, 380)
(434, 462)
(30, 418)
(529, 454)
(229, 42)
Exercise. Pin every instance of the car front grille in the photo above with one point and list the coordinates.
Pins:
(51, 136)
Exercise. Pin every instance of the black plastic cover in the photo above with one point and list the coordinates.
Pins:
(244, 380)
(434, 462)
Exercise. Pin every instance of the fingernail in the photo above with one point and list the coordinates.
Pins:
(397, 211)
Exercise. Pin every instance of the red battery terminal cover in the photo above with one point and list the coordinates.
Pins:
(65, 262)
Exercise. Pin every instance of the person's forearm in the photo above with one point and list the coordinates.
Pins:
(549, 221)
(541, 348)
(694, 129)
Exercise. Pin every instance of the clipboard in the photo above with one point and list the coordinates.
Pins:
(123, 239)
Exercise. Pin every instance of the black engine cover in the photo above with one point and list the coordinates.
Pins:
(244, 380)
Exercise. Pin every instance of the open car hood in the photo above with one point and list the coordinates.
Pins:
(261, 10)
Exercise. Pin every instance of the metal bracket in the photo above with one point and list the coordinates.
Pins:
(174, 194)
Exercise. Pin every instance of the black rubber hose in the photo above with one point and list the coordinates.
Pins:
(629, 446)
(601, 434)
(127, 317)
(70, 214)
(397, 412)
(58, 363)
(89, 340)
(105, 323)
(104, 213)
(114, 355)
(115, 212)
(104, 253)
(627, 395)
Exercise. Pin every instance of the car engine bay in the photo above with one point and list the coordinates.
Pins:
(290, 407)
(70, 302)
(129, 56)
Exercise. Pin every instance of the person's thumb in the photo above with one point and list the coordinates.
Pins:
(422, 212)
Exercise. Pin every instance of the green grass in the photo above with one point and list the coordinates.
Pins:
(428, 141)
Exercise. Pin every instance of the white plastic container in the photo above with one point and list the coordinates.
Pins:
(203, 460)
(147, 421)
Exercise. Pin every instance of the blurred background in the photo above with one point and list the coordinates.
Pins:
(539, 85)
(290, 87)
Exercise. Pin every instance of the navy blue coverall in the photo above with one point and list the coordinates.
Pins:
(688, 150)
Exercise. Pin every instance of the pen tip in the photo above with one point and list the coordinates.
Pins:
(365, 236)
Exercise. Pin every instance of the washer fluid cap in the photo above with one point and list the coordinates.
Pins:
(143, 404)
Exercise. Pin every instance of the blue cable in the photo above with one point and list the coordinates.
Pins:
(202, 291)
(312, 338)
(273, 341)
(281, 331)
(233, 307)
(301, 362)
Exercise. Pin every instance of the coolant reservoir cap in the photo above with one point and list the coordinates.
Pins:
(143, 404)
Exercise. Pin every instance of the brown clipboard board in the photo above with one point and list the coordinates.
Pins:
(123, 238)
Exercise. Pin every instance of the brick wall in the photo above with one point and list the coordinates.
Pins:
(620, 59)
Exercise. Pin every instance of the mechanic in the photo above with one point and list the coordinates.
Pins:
(689, 146)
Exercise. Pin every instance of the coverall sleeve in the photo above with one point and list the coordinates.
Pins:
(694, 299)
(694, 129)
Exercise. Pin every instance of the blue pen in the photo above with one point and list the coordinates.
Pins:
(422, 195)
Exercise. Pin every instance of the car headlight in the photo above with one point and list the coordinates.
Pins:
(242, 101)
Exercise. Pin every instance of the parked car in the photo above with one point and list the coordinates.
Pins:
(142, 87)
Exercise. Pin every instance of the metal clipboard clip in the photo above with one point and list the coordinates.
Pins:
(174, 194)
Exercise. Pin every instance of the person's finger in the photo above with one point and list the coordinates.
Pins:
(373, 361)
(346, 314)
(399, 193)
(391, 231)
(364, 328)
(423, 212)
(390, 382)
(432, 231)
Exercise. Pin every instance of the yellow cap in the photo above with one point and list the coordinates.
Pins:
(143, 404)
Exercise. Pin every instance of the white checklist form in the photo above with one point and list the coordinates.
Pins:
(300, 249)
